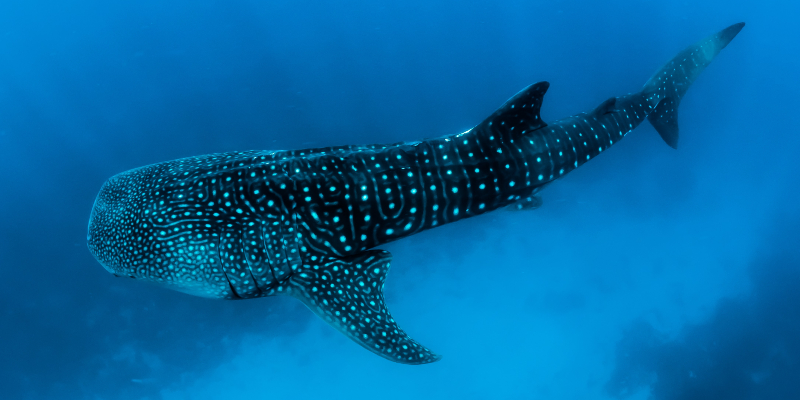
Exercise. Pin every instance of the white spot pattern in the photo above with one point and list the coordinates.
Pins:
(260, 223)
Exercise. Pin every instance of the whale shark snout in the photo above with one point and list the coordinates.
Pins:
(111, 223)
(102, 218)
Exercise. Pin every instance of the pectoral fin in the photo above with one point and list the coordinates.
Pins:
(348, 294)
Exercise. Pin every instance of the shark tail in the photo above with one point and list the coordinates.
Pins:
(666, 88)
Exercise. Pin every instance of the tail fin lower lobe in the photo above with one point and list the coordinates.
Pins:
(666, 88)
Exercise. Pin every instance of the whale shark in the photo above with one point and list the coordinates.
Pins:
(307, 223)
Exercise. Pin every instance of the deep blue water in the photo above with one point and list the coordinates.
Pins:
(647, 273)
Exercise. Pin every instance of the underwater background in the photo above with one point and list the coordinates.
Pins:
(648, 273)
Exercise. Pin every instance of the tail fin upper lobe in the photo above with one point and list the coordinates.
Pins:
(666, 88)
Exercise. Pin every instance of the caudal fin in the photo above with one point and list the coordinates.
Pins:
(666, 88)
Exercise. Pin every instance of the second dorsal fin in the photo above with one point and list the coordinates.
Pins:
(604, 108)
(519, 114)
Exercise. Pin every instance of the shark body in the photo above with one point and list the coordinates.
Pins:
(306, 223)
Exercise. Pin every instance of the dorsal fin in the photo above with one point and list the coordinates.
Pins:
(519, 114)
(604, 108)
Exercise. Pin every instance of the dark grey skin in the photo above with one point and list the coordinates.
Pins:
(305, 223)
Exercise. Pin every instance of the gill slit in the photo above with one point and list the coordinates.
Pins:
(249, 266)
(224, 272)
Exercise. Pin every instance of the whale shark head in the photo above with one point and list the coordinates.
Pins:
(139, 229)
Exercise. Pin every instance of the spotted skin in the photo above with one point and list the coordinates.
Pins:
(305, 223)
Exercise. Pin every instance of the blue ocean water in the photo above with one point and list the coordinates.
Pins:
(647, 273)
